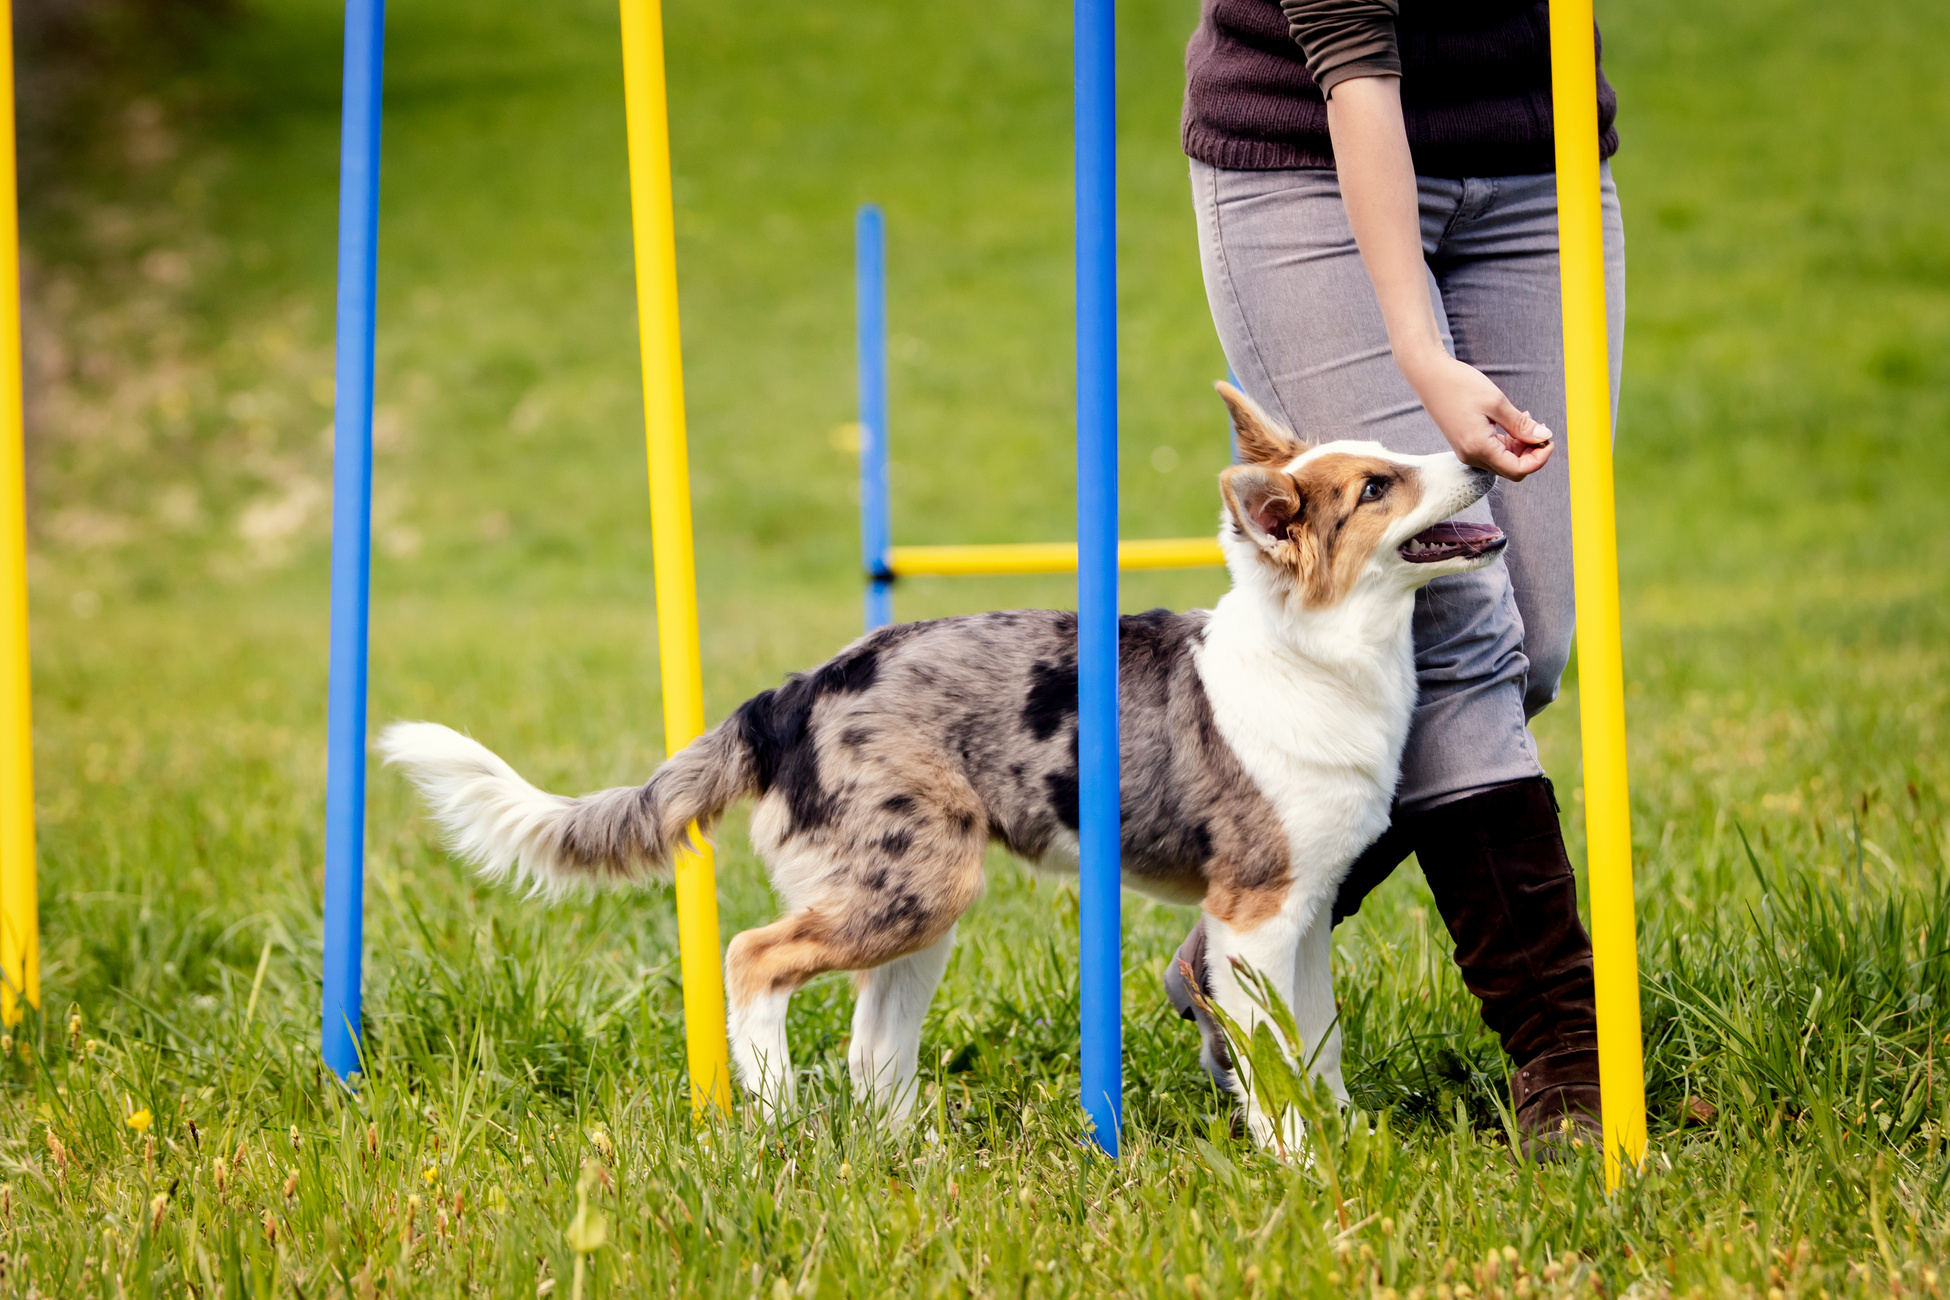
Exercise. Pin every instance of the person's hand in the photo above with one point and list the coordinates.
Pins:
(1481, 425)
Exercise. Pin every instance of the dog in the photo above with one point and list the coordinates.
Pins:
(1261, 742)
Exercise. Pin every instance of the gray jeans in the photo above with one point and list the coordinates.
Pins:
(1300, 325)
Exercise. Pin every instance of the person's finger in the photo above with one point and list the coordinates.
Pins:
(1490, 454)
(1517, 424)
(1530, 461)
(1503, 456)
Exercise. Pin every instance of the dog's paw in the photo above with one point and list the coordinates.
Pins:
(1284, 1137)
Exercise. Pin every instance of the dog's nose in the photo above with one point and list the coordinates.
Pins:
(1481, 481)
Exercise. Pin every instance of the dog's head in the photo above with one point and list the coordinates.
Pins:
(1321, 522)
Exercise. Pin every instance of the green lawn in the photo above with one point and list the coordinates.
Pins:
(1782, 458)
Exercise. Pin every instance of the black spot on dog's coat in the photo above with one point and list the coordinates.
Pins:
(1065, 798)
(1065, 794)
(1202, 842)
(902, 913)
(899, 803)
(896, 844)
(774, 727)
(1052, 699)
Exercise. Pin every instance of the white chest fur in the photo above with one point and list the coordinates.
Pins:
(1317, 716)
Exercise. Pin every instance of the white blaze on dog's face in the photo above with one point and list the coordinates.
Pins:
(1324, 520)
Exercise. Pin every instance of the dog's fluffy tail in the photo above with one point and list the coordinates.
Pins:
(550, 842)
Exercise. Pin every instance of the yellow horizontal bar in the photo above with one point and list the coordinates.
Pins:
(1050, 557)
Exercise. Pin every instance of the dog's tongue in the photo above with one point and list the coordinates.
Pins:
(1449, 540)
(1452, 533)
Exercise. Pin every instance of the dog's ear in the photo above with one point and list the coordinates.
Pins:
(1260, 440)
(1264, 502)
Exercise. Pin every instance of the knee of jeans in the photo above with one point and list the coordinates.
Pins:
(1546, 675)
(1538, 696)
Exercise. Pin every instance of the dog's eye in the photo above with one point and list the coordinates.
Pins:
(1375, 489)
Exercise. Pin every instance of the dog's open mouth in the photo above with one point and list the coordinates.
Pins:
(1452, 541)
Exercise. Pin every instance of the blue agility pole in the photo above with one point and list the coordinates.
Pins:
(345, 746)
(870, 333)
(1098, 830)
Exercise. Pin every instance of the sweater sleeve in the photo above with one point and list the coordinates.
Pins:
(1345, 38)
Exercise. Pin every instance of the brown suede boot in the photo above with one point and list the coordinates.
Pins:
(1496, 864)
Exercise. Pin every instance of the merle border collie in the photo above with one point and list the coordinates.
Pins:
(1261, 742)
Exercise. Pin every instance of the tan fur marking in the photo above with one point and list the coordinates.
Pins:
(1246, 908)
(780, 957)
(1348, 530)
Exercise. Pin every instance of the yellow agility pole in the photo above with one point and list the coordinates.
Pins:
(20, 943)
(648, 123)
(1049, 557)
(1594, 558)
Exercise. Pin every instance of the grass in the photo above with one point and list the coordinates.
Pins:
(165, 1127)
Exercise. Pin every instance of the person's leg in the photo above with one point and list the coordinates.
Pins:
(1300, 325)
(1298, 319)
(1498, 271)
(1495, 859)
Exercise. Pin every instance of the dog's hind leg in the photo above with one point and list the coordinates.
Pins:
(877, 885)
(763, 969)
(885, 1055)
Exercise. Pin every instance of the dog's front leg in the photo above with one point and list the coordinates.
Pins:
(1290, 949)
(1315, 1013)
(884, 1058)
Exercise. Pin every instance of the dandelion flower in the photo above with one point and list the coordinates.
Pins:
(430, 1173)
(141, 1120)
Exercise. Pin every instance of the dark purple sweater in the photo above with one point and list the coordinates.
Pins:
(1476, 88)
